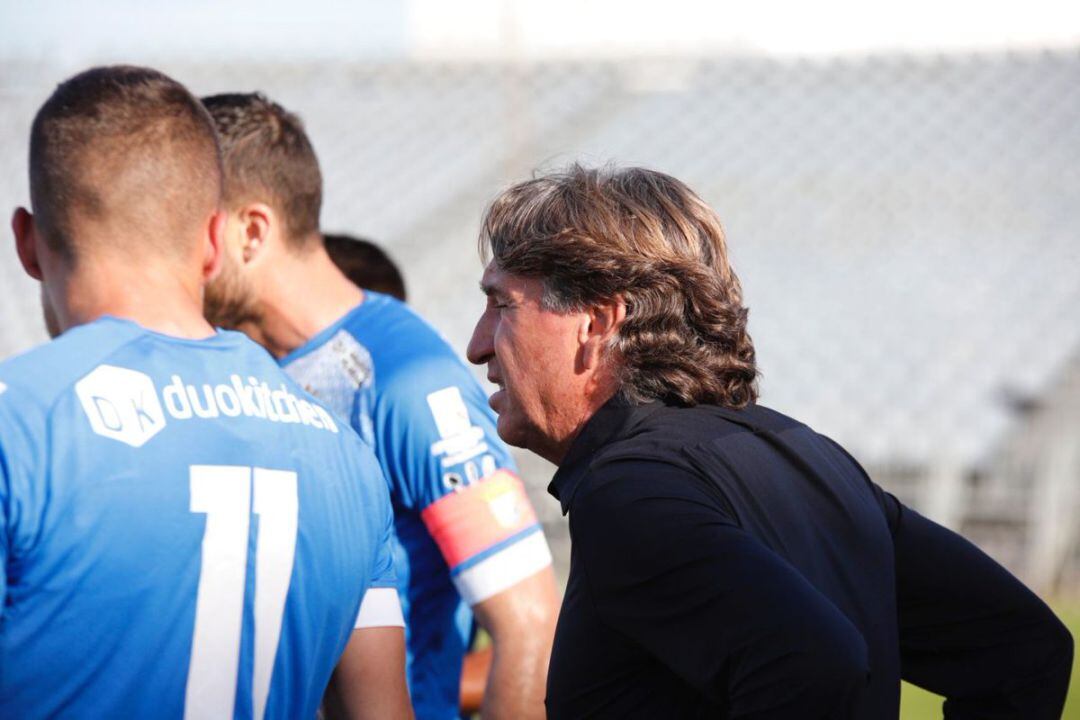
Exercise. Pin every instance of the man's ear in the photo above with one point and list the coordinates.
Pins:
(22, 225)
(600, 323)
(257, 222)
(214, 250)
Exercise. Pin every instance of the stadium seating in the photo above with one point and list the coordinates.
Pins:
(905, 227)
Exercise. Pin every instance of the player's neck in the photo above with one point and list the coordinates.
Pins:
(154, 297)
(310, 295)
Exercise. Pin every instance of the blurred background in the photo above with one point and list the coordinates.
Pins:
(900, 188)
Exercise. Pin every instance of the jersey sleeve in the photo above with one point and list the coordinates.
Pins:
(669, 569)
(381, 606)
(446, 462)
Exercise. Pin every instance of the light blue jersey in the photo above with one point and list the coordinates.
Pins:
(186, 533)
(465, 529)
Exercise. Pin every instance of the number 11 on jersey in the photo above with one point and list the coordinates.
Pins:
(224, 494)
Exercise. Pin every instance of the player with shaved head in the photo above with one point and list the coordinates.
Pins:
(185, 532)
(120, 153)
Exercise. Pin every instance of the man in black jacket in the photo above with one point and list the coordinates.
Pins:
(727, 560)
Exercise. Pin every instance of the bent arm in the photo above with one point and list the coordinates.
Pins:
(971, 631)
(521, 622)
(500, 564)
(369, 681)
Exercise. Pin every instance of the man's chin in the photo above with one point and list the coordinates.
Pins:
(509, 431)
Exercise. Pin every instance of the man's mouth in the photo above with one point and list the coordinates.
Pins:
(496, 397)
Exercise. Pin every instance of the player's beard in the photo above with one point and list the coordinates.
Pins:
(229, 299)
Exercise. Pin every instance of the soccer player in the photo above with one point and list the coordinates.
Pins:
(366, 264)
(369, 267)
(185, 533)
(466, 534)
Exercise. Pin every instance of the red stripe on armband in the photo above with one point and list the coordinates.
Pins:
(478, 517)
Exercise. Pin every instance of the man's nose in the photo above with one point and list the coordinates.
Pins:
(480, 344)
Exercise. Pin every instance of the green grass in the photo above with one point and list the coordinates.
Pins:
(918, 704)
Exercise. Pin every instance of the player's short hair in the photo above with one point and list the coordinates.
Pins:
(366, 264)
(126, 148)
(269, 158)
(592, 235)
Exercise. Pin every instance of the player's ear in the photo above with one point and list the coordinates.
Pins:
(257, 221)
(22, 225)
(214, 248)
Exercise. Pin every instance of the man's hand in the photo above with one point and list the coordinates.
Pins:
(369, 681)
(521, 622)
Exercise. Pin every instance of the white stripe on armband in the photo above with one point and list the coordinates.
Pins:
(504, 569)
(381, 608)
